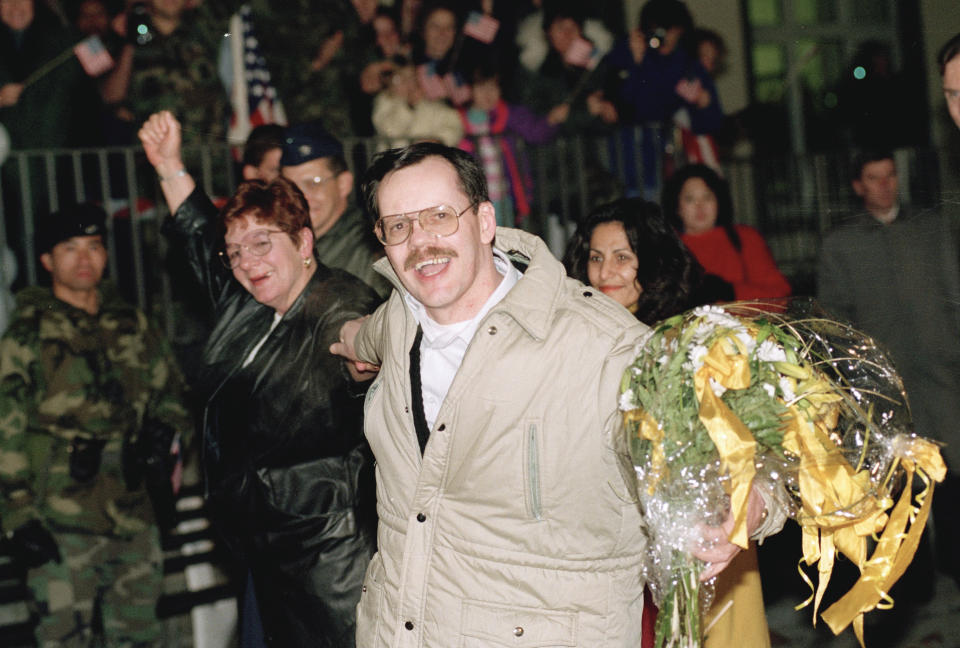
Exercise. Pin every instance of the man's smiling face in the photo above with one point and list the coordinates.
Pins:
(449, 275)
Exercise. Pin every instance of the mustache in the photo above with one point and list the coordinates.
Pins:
(417, 256)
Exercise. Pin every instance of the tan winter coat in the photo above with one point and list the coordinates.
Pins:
(516, 527)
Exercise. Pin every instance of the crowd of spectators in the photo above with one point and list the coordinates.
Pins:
(362, 67)
(459, 73)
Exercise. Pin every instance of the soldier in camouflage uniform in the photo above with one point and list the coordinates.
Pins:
(89, 409)
(315, 53)
(176, 68)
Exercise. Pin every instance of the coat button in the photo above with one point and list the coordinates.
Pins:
(587, 293)
(408, 625)
(421, 517)
(363, 589)
(442, 427)
(518, 631)
(492, 330)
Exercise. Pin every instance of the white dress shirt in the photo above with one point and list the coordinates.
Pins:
(443, 345)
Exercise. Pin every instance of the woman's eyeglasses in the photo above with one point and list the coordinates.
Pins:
(259, 245)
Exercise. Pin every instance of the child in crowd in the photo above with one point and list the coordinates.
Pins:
(402, 112)
(488, 116)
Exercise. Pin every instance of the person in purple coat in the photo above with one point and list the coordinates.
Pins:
(489, 116)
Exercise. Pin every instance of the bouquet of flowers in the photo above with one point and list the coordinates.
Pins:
(721, 400)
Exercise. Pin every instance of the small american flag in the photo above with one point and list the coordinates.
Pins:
(582, 53)
(431, 83)
(459, 93)
(481, 27)
(93, 56)
(253, 96)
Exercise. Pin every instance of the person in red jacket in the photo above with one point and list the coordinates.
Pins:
(698, 202)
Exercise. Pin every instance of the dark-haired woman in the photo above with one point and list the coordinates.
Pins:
(627, 250)
(287, 475)
(697, 201)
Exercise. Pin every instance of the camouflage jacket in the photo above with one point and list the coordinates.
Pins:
(291, 34)
(179, 73)
(64, 375)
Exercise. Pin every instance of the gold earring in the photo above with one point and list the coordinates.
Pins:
(307, 262)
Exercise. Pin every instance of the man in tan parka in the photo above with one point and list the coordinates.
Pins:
(503, 516)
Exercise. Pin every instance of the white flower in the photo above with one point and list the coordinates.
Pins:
(695, 358)
(770, 351)
(702, 311)
(787, 389)
(717, 388)
(716, 317)
(627, 401)
(746, 339)
(640, 347)
(770, 389)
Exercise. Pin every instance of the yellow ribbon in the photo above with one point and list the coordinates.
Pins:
(837, 512)
(896, 546)
(733, 440)
(649, 429)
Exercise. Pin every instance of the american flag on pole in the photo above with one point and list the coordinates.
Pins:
(93, 56)
(481, 27)
(253, 97)
(582, 53)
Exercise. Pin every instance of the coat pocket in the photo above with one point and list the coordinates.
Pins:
(531, 469)
(487, 624)
(369, 609)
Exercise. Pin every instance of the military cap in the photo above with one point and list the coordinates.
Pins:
(85, 219)
(308, 141)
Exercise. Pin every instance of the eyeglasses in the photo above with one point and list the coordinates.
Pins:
(259, 246)
(312, 184)
(441, 220)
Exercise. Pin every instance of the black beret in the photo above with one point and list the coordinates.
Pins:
(85, 219)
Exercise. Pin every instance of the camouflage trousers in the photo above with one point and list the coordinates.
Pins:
(102, 595)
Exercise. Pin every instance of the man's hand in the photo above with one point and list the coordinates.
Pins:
(598, 106)
(715, 547)
(358, 369)
(638, 45)
(374, 77)
(558, 114)
(10, 94)
(161, 140)
(327, 51)
(693, 92)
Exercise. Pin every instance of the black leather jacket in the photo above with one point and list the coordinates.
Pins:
(288, 474)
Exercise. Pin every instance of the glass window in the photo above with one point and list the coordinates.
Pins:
(769, 67)
(821, 64)
(764, 13)
(872, 12)
(814, 12)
